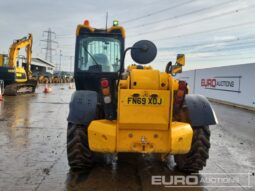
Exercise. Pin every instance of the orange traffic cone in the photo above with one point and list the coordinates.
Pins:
(47, 89)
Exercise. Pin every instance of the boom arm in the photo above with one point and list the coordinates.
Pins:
(25, 42)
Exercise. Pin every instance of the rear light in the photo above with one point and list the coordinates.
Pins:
(106, 91)
(182, 85)
(107, 99)
(180, 95)
(104, 83)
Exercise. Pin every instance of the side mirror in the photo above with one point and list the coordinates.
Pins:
(180, 60)
(177, 68)
(143, 52)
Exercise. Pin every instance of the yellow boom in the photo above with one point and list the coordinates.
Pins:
(25, 42)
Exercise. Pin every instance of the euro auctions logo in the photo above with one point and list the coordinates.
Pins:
(206, 180)
(212, 83)
(222, 83)
(172, 181)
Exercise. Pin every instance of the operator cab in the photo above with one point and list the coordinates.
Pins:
(98, 55)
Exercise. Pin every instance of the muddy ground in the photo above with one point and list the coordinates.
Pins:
(33, 151)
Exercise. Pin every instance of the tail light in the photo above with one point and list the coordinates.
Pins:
(105, 85)
(107, 99)
(106, 91)
(180, 95)
(182, 85)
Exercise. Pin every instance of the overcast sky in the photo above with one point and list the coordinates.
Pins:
(210, 33)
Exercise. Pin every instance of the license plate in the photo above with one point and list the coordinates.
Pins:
(145, 101)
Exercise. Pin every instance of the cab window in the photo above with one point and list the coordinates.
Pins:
(100, 53)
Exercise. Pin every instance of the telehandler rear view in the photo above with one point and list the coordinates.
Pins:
(137, 109)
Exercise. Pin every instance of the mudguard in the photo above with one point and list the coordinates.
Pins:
(82, 108)
(200, 111)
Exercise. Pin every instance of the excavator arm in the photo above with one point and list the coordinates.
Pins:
(18, 80)
(25, 42)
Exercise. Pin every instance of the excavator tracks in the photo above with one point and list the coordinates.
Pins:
(20, 88)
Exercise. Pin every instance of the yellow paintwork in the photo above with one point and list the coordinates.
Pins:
(164, 81)
(124, 84)
(120, 28)
(102, 135)
(143, 141)
(109, 30)
(141, 116)
(134, 66)
(20, 71)
(180, 59)
(180, 62)
(180, 137)
(21, 74)
(148, 79)
(177, 69)
(140, 126)
(144, 114)
(1, 60)
(131, 67)
(106, 136)
(144, 79)
(15, 48)
(83, 26)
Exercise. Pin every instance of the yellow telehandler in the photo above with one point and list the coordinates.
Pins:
(137, 109)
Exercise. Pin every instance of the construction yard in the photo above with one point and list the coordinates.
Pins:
(129, 95)
(33, 147)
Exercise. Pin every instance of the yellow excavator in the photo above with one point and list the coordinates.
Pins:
(17, 79)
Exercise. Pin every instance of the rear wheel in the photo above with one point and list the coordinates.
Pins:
(195, 160)
(78, 153)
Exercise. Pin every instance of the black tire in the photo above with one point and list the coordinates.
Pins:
(80, 157)
(195, 160)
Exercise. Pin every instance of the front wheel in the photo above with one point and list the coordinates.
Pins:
(195, 160)
(78, 153)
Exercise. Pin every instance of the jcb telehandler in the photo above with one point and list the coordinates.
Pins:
(137, 109)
